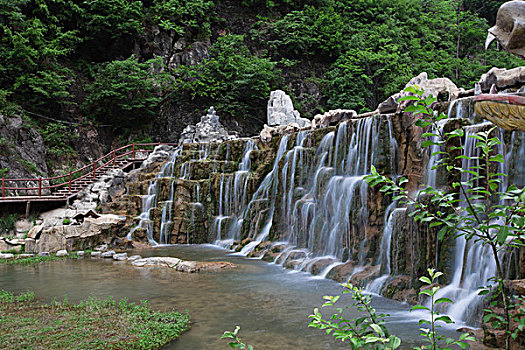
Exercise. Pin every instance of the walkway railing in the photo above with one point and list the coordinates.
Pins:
(74, 181)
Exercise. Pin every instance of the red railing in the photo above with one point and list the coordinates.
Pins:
(48, 186)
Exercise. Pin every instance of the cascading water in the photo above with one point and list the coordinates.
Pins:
(150, 200)
(266, 193)
(473, 262)
(329, 207)
(391, 214)
(232, 200)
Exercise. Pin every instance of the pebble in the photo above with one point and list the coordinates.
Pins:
(7, 256)
(134, 257)
(43, 254)
(95, 254)
(80, 253)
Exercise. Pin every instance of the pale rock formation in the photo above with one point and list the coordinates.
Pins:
(332, 117)
(61, 253)
(93, 232)
(180, 265)
(209, 129)
(108, 254)
(510, 28)
(434, 87)
(120, 257)
(502, 78)
(281, 112)
(156, 261)
(160, 154)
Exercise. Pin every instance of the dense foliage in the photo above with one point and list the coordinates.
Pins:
(232, 79)
(69, 58)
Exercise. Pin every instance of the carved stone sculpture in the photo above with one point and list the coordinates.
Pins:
(509, 30)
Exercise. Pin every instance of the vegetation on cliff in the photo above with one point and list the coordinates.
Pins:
(68, 59)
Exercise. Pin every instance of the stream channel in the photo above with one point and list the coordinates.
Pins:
(270, 304)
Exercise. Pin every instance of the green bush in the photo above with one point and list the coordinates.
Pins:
(58, 138)
(233, 80)
(7, 222)
(125, 93)
(183, 16)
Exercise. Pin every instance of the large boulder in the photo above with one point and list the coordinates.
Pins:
(281, 111)
(91, 233)
(160, 154)
(156, 261)
(332, 117)
(435, 87)
(209, 129)
(502, 78)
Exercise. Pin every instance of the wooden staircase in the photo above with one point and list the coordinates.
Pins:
(63, 188)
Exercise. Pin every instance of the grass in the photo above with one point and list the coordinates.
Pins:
(92, 324)
(39, 259)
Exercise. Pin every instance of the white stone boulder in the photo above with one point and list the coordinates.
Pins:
(120, 257)
(502, 78)
(157, 261)
(92, 232)
(332, 117)
(433, 87)
(281, 112)
(62, 253)
(109, 254)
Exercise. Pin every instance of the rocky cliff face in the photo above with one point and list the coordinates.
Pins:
(22, 151)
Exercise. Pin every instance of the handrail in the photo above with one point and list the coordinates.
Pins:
(128, 152)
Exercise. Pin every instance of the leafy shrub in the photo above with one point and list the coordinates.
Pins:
(58, 138)
(125, 93)
(311, 32)
(182, 16)
(7, 222)
(231, 79)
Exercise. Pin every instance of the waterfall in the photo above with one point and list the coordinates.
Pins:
(376, 285)
(149, 201)
(324, 204)
(266, 193)
(473, 262)
(232, 199)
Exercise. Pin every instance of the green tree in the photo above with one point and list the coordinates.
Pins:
(31, 46)
(231, 79)
(125, 93)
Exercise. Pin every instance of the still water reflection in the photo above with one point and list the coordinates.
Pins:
(269, 303)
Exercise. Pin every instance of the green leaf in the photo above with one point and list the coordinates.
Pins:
(425, 279)
(419, 307)
(442, 300)
(503, 233)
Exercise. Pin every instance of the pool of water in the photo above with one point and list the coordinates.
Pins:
(269, 303)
